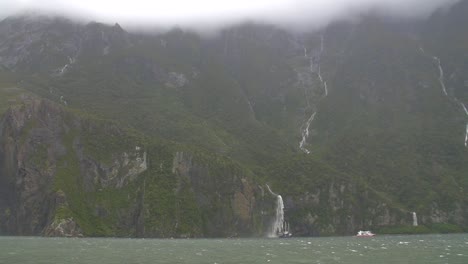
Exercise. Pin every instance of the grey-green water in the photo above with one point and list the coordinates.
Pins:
(381, 249)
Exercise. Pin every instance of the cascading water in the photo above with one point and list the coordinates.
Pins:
(466, 113)
(62, 70)
(305, 127)
(441, 76)
(279, 219)
(277, 225)
(444, 89)
(466, 136)
(305, 133)
(415, 219)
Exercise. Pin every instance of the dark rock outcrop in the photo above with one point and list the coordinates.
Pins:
(41, 150)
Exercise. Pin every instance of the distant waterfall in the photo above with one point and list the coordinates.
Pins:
(277, 225)
(466, 136)
(444, 90)
(415, 219)
(305, 128)
(441, 75)
(305, 133)
(466, 113)
(62, 70)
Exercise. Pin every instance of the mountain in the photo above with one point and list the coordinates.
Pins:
(112, 133)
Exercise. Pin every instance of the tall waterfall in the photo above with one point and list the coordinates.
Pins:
(277, 225)
(415, 219)
(305, 128)
(444, 89)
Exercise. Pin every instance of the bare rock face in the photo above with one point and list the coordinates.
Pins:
(42, 148)
(60, 226)
(121, 170)
(233, 199)
(35, 43)
(63, 228)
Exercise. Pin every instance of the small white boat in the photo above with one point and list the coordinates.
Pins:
(365, 234)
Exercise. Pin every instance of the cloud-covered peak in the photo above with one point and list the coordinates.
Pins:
(217, 13)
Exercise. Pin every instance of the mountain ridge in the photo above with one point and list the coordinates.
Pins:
(366, 100)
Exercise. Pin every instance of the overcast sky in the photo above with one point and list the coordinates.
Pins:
(198, 13)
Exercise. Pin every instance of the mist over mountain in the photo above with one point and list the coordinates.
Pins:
(110, 131)
(209, 15)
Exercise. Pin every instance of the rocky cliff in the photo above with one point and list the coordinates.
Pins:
(357, 126)
(48, 160)
(229, 202)
(67, 174)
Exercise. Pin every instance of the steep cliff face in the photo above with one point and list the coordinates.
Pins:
(341, 202)
(65, 174)
(49, 156)
(356, 126)
(227, 198)
(341, 207)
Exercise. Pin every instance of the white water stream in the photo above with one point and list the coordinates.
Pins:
(62, 70)
(465, 110)
(415, 219)
(306, 126)
(279, 216)
(441, 75)
(305, 133)
(444, 89)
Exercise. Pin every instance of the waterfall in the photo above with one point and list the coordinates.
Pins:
(441, 75)
(466, 136)
(466, 113)
(277, 225)
(415, 219)
(305, 133)
(305, 127)
(444, 89)
(62, 70)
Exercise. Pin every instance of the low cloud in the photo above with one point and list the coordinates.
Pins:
(200, 14)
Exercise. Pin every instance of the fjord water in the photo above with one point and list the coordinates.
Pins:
(381, 249)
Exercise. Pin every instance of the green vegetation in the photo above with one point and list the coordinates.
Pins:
(385, 141)
(9, 91)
